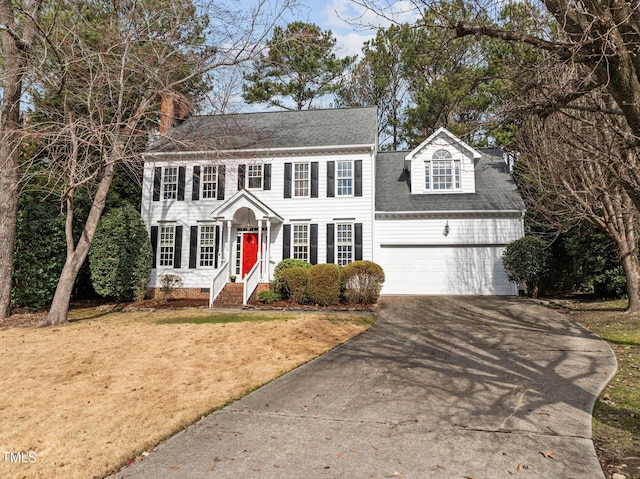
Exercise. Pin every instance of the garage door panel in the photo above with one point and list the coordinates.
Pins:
(444, 270)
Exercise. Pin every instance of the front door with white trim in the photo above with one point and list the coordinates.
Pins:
(249, 252)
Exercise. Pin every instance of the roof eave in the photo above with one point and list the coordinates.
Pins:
(261, 152)
(510, 213)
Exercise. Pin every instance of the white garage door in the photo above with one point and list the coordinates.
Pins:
(444, 270)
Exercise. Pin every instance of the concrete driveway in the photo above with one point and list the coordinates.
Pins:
(440, 387)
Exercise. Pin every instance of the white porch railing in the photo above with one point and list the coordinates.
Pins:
(251, 281)
(218, 282)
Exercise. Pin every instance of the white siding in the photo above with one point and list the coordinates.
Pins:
(442, 141)
(320, 211)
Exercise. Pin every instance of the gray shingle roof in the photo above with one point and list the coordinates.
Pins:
(495, 189)
(281, 129)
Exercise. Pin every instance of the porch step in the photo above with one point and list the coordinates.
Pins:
(230, 297)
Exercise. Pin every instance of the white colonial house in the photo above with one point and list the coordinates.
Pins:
(233, 195)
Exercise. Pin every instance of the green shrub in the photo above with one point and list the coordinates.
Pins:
(362, 281)
(120, 257)
(323, 285)
(294, 283)
(278, 286)
(611, 283)
(40, 252)
(269, 296)
(527, 259)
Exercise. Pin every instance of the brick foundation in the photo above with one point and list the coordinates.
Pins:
(259, 289)
(182, 293)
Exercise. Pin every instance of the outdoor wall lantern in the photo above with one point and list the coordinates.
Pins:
(446, 229)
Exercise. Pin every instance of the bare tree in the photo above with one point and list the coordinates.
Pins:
(571, 170)
(599, 40)
(18, 26)
(101, 94)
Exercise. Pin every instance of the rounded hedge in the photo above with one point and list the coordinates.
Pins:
(323, 285)
(363, 281)
(294, 283)
(287, 263)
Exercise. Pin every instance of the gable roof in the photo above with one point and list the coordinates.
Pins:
(454, 140)
(495, 189)
(272, 130)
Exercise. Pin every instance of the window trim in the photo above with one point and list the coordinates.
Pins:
(444, 157)
(213, 191)
(294, 179)
(351, 178)
(350, 244)
(212, 245)
(249, 176)
(170, 195)
(169, 250)
(306, 244)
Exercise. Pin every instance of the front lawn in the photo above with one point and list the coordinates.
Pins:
(78, 401)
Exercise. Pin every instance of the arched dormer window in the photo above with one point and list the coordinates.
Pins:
(442, 172)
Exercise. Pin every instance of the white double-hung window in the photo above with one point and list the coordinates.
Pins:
(167, 238)
(442, 172)
(344, 178)
(209, 181)
(170, 183)
(301, 179)
(344, 243)
(254, 176)
(207, 245)
(300, 243)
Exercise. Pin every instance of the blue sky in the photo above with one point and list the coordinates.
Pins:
(340, 17)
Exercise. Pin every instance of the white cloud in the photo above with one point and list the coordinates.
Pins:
(353, 24)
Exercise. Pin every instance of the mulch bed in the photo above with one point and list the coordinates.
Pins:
(23, 318)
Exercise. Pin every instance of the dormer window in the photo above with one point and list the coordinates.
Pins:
(442, 172)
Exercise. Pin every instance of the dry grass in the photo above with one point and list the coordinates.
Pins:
(81, 399)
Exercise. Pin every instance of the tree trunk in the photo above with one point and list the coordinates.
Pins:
(632, 273)
(77, 256)
(15, 60)
(9, 154)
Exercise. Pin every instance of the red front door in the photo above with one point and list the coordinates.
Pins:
(249, 252)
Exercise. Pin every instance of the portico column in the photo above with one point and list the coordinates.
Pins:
(268, 258)
(260, 246)
(229, 249)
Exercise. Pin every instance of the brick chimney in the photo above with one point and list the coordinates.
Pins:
(173, 108)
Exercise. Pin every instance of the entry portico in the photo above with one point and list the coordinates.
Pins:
(247, 230)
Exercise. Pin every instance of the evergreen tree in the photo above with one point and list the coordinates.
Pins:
(300, 65)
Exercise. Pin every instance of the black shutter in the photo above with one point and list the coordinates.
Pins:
(314, 179)
(331, 179)
(177, 248)
(358, 238)
(182, 171)
(193, 247)
(241, 170)
(266, 180)
(195, 187)
(286, 241)
(157, 179)
(154, 245)
(313, 240)
(330, 243)
(287, 181)
(217, 247)
(357, 173)
(220, 186)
